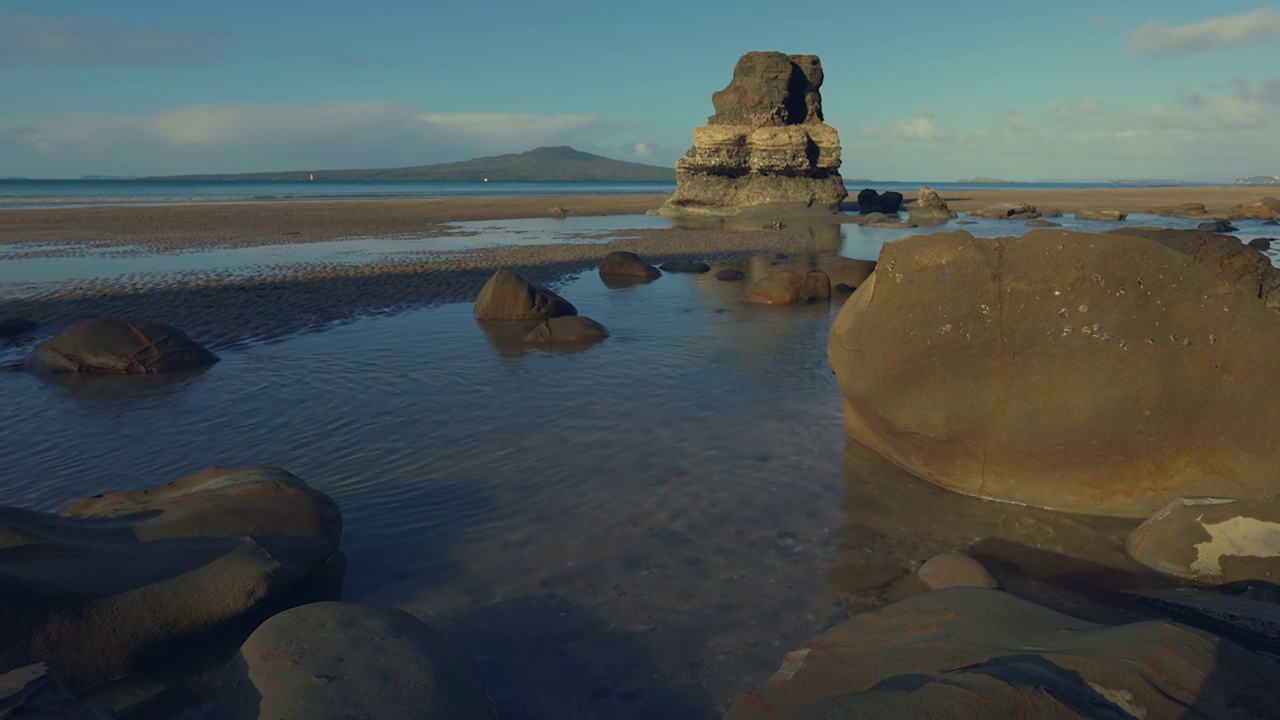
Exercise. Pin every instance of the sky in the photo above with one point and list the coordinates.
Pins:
(1055, 90)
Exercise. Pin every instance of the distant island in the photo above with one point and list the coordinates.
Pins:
(542, 164)
(982, 180)
(1258, 180)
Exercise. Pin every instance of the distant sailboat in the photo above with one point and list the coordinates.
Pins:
(313, 176)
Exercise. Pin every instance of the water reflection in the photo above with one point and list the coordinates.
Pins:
(122, 388)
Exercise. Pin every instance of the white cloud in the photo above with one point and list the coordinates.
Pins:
(1077, 111)
(1252, 28)
(1018, 122)
(50, 40)
(642, 150)
(245, 138)
(922, 128)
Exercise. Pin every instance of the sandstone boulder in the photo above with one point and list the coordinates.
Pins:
(928, 217)
(789, 287)
(767, 149)
(927, 197)
(1049, 212)
(1235, 264)
(954, 570)
(1095, 373)
(1042, 223)
(1258, 211)
(870, 201)
(628, 264)
(1109, 215)
(979, 653)
(334, 661)
(1006, 211)
(116, 345)
(507, 296)
(847, 271)
(129, 581)
(730, 275)
(577, 330)
(1212, 541)
(681, 266)
(1180, 210)
(1217, 226)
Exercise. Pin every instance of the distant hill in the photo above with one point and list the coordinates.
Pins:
(982, 180)
(545, 163)
(1258, 180)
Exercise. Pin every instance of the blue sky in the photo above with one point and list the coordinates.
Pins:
(929, 91)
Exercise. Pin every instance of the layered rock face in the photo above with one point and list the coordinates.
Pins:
(1103, 374)
(767, 148)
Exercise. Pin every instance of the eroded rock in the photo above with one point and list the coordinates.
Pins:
(972, 652)
(1007, 211)
(128, 581)
(682, 266)
(507, 296)
(789, 287)
(766, 149)
(1212, 541)
(847, 271)
(1235, 264)
(577, 330)
(955, 570)
(117, 345)
(870, 201)
(620, 263)
(1108, 215)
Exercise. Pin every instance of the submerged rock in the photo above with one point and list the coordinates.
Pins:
(507, 296)
(333, 661)
(13, 327)
(1095, 373)
(1110, 215)
(1217, 226)
(1212, 541)
(979, 653)
(116, 345)
(577, 329)
(681, 266)
(1043, 223)
(1181, 210)
(789, 287)
(1007, 211)
(1261, 243)
(766, 149)
(129, 581)
(730, 275)
(628, 264)
(955, 570)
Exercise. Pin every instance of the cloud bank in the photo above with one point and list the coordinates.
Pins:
(35, 40)
(1252, 28)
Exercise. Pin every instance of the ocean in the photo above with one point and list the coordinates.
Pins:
(28, 194)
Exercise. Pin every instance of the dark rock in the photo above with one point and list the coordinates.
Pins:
(129, 581)
(979, 653)
(507, 296)
(115, 345)
(15, 327)
(334, 661)
(730, 275)
(577, 329)
(1217, 226)
(766, 149)
(1261, 243)
(681, 266)
(789, 287)
(1254, 624)
(628, 264)
(34, 692)
(870, 201)
(842, 287)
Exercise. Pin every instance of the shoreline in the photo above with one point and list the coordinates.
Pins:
(239, 225)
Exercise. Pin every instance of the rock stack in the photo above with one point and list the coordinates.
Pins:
(766, 149)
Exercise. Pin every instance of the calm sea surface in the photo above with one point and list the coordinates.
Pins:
(16, 194)
(639, 529)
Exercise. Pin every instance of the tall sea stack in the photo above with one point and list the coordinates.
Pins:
(766, 150)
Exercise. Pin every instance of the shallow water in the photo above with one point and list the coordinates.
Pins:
(637, 529)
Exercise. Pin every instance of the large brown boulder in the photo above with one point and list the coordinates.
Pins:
(1006, 211)
(334, 661)
(507, 296)
(1234, 263)
(847, 271)
(127, 581)
(1101, 374)
(766, 149)
(979, 653)
(1212, 541)
(628, 264)
(117, 345)
(789, 287)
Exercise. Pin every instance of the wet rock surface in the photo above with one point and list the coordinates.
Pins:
(35, 692)
(628, 264)
(333, 661)
(1144, 368)
(1238, 266)
(117, 345)
(789, 287)
(1212, 541)
(575, 330)
(507, 296)
(682, 266)
(129, 581)
(972, 652)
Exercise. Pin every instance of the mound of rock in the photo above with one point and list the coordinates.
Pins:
(1261, 243)
(1185, 210)
(978, 653)
(730, 275)
(929, 208)
(789, 287)
(1237, 265)
(1007, 211)
(847, 271)
(333, 661)
(574, 330)
(766, 149)
(1096, 373)
(1217, 226)
(507, 296)
(116, 345)
(127, 581)
(34, 692)
(1107, 215)
(870, 201)
(628, 264)
(683, 266)
(1212, 541)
